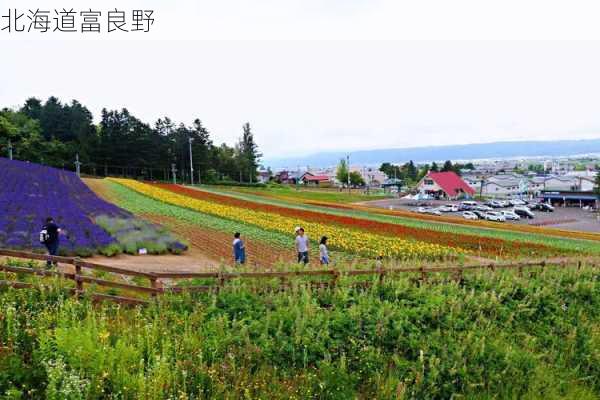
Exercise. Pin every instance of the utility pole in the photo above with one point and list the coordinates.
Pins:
(348, 165)
(174, 173)
(77, 165)
(10, 149)
(191, 162)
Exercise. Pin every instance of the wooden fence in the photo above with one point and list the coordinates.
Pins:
(155, 279)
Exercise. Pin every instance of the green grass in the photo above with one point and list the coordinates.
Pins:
(332, 195)
(495, 336)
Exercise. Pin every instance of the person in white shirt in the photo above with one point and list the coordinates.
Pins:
(302, 245)
(323, 253)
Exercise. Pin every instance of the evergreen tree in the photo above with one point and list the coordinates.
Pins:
(53, 132)
(248, 155)
(448, 166)
(341, 174)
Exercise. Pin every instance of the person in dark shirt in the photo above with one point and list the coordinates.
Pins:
(52, 239)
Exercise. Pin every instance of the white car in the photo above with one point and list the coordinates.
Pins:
(428, 210)
(495, 216)
(511, 216)
(448, 208)
(469, 203)
(483, 208)
(469, 215)
(517, 202)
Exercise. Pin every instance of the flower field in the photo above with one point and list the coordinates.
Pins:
(299, 198)
(555, 241)
(473, 243)
(342, 238)
(210, 234)
(31, 193)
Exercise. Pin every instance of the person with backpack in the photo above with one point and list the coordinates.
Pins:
(301, 245)
(323, 252)
(239, 250)
(50, 237)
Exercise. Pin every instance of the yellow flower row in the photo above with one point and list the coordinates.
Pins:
(344, 239)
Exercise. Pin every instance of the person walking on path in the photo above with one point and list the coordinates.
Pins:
(323, 252)
(239, 250)
(50, 237)
(302, 245)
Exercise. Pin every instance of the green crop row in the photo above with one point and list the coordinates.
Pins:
(140, 204)
(497, 335)
(567, 244)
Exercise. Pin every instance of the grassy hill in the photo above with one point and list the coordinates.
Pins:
(495, 335)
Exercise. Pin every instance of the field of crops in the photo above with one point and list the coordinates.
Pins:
(31, 193)
(495, 335)
(343, 238)
(205, 232)
(357, 232)
(513, 237)
(330, 195)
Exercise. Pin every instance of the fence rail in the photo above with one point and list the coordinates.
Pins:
(221, 278)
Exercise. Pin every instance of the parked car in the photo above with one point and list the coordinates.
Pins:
(428, 210)
(517, 202)
(543, 207)
(493, 204)
(510, 216)
(462, 207)
(504, 203)
(524, 212)
(469, 203)
(451, 207)
(470, 215)
(495, 216)
(480, 214)
(445, 208)
(483, 208)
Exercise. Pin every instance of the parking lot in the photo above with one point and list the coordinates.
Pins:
(571, 218)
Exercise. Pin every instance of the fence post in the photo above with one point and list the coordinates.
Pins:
(381, 275)
(78, 281)
(221, 283)
(578, 264)
(336, 275)
(521, 270)
(459, 274)
(154, 285)
(423, 274)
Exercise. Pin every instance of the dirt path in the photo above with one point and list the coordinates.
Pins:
(192, 261)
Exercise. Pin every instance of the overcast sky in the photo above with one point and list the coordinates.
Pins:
(304, 95)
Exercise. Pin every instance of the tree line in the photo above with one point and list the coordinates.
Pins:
(52, 133)
(409, 173)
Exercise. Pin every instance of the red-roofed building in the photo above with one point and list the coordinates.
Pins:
(446, 185)
(317, 180)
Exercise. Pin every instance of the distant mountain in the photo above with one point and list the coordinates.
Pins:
(441, 153)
